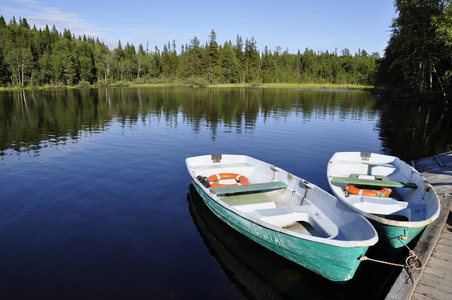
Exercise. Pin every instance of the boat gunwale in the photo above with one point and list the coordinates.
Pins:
(328, 241)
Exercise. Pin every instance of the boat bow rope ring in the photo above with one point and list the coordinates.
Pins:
(240, 179)
(356, 190)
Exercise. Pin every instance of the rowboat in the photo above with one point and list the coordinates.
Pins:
(395, 197)
(284, 213)
(241, 261)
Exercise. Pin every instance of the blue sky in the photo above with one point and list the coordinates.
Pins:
(316, 24)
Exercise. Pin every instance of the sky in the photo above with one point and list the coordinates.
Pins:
(320, 25)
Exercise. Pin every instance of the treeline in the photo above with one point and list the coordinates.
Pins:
(40, 57)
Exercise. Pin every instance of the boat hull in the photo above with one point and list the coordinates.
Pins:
(396, 236)
(335, 263)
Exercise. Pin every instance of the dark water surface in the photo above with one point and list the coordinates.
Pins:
(95, 199)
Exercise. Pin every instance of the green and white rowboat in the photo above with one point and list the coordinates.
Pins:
(284, 213)
(411, 205)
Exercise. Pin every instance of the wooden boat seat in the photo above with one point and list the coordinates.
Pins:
(249, 197)
(374, 180)
(254, 187)
(287, 215)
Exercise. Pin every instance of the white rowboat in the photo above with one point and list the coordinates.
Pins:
(284, 213)
(400, 206)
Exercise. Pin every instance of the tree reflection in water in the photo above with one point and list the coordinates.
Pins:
(31, 120)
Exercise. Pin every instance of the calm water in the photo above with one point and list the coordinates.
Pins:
(95, 199)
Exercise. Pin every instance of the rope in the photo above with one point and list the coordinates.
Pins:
(410, 262)
(363, 258)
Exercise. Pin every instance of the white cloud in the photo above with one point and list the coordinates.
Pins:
(40, 15)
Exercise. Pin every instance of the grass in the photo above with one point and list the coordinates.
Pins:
(272, 86)
(232, 85)
(151, 85)
(327, 86)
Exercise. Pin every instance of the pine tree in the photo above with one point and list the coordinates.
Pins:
(211, 55)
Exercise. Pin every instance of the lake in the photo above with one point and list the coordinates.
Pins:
(96, 203)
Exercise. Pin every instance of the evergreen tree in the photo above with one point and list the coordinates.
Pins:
(228, 66)
(418, 53)
(194, 57)
(240, 55)
(252, 60)
(211, 55)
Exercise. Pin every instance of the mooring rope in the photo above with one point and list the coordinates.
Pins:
(410, 261)
(363, 258)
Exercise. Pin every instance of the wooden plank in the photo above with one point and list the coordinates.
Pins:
(436, 283)
(436, 268)
(429, 292)
(426, 164)
(433, 171)
(446, 238)
(444, 245)
(430, 166)
(446, 158)
(437, 279)
(417, 296)
(440, 179)
(442, 175)
(246, 199)
(440, 262)
(256, 187)
(434, 163)
(440, 162)
(443, 257)
(374, 182)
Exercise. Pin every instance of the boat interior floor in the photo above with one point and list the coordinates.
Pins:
(304, 228)
(304, 219)
(288, 216)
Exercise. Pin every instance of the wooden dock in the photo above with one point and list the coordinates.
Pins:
(434, 248)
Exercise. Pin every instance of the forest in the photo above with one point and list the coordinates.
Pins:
(417, 60)
(47, 57)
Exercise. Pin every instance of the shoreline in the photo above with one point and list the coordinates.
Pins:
(314, 86)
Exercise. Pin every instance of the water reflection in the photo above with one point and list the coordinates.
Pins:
(414, 131)
(34, 120)
(31, 120)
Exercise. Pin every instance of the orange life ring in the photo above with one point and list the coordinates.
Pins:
(241, 180)
(353, 189)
